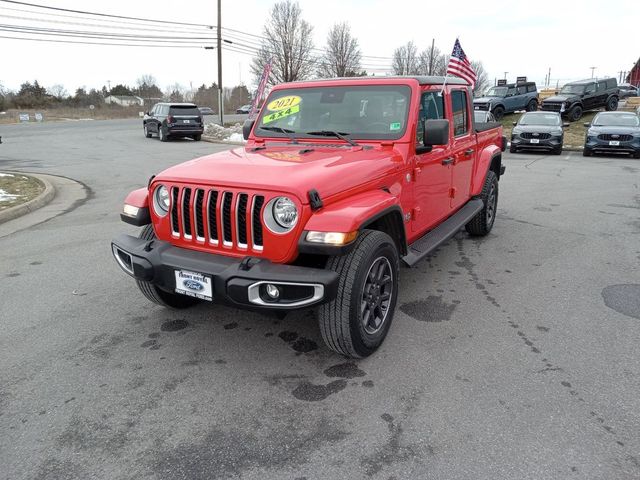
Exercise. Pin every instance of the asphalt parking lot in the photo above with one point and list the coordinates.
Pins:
(511, 357)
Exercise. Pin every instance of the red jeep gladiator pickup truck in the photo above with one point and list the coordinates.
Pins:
(340, 181)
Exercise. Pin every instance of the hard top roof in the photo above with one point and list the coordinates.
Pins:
(422, 79)
(589, 80)
(177, 104)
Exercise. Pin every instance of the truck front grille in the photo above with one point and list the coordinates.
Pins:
(610, 136)
(217, 216)
(551, 107)
(540, 136)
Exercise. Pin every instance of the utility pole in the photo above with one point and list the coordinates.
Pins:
(220, 96)
(549, 77)
(592, 70)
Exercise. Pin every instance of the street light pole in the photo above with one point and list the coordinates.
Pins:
(592, 70)
(220, 96)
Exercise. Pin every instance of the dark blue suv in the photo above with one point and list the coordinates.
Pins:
(508, 98)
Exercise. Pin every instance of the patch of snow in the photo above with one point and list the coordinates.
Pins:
(224, 134)
(6, 175)
(235, 137)
(5, 197)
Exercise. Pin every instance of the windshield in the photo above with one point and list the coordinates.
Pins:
(361, 112)
(617, 120)
(496, 92)
(549, 119)
(572, 90)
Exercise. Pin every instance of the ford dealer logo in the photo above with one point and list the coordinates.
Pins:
(193, 285)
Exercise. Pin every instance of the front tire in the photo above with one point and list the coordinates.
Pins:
(482, 223)
(357, 321)
(498, 113)
(153, 293)
(147, 133)
(557, 150)
(197, 138)
(513, 149)
(586, 152)
(575, 113)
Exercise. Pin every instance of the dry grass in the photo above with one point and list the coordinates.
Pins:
(68, 113)
(18, 188)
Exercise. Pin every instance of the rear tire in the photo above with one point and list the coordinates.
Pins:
(153, 293)
(532, 106)
(147, 133)
(482, 223)
(612, 104)
(498, 113)
(161, 135)
(357, 321)
(575, 114)
(197, 138)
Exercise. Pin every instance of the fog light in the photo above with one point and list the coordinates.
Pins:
(272, 291)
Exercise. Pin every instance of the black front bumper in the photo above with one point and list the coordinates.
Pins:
(241, 283)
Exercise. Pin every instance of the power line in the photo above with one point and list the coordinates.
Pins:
(100, 43)
(83, 12)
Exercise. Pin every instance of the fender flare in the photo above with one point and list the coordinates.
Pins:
(138, 198)
(354, 214)
(485, 160)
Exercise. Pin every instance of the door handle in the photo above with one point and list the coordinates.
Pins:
(468, 152)
(447, 161)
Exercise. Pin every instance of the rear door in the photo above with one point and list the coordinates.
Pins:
(463, 147)
(432, 170)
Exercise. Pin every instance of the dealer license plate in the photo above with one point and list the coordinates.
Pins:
(535, 140)
(194, 284)
(614, 143)
(186, 121)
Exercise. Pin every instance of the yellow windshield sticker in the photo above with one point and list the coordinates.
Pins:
(283, 103)
(280, 114)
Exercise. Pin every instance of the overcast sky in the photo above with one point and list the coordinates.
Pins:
(522, 38)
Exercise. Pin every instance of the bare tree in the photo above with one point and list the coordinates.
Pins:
(175, 93)
(287, 44)
(342, 57)
(432, 61)
(58, 91)
(146, 80)
(405, 60)
(482, 80)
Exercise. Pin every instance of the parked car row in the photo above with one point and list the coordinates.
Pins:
(608, 132)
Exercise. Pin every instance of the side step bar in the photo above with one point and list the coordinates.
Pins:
(443, 232)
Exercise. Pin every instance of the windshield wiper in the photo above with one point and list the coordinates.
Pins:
(331, 133)
(286, 131)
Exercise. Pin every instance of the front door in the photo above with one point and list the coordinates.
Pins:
(432, 171)
(463, 148)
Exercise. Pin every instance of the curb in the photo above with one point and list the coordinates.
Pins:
(40, 201)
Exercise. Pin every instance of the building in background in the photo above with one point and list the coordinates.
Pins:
(124, 100)
(634, 75)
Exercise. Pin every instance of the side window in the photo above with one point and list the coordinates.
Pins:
(602, 86)
(431, 108)
(531, 88)
(460, 112)
(164, 110)
(611, 83)
(522, 90)
(590, 88)
(511, 91)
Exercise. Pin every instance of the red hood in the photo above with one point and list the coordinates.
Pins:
(330, 170)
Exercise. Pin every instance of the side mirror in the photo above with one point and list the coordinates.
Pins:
(556, 92)
(147, 114)
(566, 125)
(246, 128)
(587, 124)
(515, 123)
(436, 132)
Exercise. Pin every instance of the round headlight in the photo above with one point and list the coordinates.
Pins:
(161, 201)
(285, 212)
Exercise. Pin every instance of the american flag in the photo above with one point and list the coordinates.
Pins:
(460, 66)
